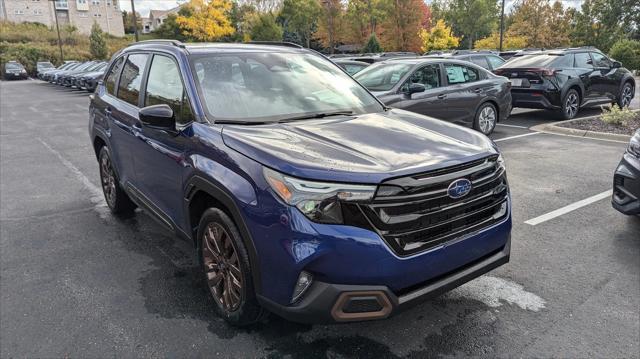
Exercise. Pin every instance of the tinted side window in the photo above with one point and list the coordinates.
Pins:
(583, 60)
(480, 61)
(564, 61)
(164, 86)
(131, 78)
(599, 60)
(458, 74)
(495, 61)
(112, 76)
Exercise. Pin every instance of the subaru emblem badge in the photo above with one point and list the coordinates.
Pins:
(459, 188)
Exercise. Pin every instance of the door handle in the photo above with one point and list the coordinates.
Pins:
(107, 111)
(478, 90)
(441, 97)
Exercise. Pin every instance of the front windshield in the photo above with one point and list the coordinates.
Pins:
(263, 87)
(13, 66)
(382, 76)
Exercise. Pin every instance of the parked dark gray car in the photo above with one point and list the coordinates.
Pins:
(447, 89)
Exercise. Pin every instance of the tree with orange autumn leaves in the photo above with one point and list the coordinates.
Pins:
(208, 20)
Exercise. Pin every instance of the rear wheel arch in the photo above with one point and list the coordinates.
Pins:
(202, 194)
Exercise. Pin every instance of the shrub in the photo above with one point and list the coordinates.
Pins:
(628, 52)
(617, 116)
(372, 45)
(97, 43)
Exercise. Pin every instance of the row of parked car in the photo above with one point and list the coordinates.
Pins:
(479, 88)
(81, 75)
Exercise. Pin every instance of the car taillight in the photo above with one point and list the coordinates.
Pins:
(549, 72)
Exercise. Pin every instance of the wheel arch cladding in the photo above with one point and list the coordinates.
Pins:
(202, 194)
(98, 143)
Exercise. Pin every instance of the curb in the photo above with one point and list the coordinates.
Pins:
(555, 129)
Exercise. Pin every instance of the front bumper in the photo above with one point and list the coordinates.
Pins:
(344, 259)
(626, 186)
(331, 303)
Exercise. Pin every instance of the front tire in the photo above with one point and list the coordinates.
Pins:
(570, 104)
(114, 195)
(226, 268)
(486, 118)
(626, 95)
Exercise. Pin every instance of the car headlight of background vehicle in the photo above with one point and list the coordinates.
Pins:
(634, 145)
(318, 201)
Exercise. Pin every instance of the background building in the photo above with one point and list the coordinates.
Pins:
(79, 13)
(156, 18)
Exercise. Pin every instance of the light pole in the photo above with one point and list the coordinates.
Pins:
(135, 21)
(55, 13)
(501, 25)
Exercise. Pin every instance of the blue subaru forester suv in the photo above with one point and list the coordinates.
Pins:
(302, 194)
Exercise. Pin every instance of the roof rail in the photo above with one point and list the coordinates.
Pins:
(160, 41)
(276, 43)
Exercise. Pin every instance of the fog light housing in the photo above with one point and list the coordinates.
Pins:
(303, 283)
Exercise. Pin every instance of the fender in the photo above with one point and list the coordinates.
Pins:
(570, 83)
(198, 183)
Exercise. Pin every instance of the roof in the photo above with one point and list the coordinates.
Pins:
(206, 47)
(160, 13)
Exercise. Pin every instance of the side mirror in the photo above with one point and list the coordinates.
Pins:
(616, 64)
(159, 117)
(415, 87)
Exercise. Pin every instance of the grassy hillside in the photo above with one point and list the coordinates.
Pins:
(29, 43)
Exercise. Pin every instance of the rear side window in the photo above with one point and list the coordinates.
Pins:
(480, 61)
(112, 76)
(164, 86)
(495, 61)
(131, 78)
(459, 74)
(583, 60)
(564, 61)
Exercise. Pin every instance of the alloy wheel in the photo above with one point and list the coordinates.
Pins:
(571, 105)
(222, 267)
(487, 119)
(108, 180)
(627, 94)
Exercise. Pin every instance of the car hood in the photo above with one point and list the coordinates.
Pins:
(364, 148)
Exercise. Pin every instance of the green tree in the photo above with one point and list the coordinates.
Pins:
(362, 18)
(170, 29)
(300, 18)
(265, 28)
(627, 52)
(600, 23)
(469, 19)
(330, 24)
(372, 45)
(97, 43)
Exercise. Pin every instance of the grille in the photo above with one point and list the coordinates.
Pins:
(415, 213)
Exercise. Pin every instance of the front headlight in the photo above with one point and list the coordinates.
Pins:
(500, 161)
(318, 201)
(634, 145)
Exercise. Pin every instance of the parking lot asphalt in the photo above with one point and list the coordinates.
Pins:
(76, 281)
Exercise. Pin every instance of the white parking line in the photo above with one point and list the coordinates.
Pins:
(514, 126)
(517, 136)
(566, 209)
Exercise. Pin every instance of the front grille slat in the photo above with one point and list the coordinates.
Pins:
(422, 215)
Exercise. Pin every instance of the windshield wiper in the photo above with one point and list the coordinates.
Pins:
(315, 115)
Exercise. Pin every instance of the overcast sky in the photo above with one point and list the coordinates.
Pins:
(143, 6)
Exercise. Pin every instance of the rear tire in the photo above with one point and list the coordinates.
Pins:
(486, 118)
(226, 269)
(570, 104)
(116, 198)
(626, 95)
